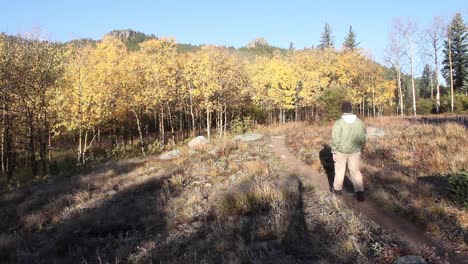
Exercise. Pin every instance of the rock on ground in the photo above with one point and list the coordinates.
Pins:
(410, 259)
(373, 132)
(198, 142)
(171, 155)
(248, 137)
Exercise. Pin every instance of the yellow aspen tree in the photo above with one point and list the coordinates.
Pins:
(160, 69)
(274, 83)
(305, 64)
(90, 89)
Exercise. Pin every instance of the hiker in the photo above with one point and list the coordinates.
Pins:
(348, 139)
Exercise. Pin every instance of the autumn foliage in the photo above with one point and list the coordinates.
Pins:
(88, 93)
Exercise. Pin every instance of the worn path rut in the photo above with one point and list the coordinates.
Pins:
(405, 230)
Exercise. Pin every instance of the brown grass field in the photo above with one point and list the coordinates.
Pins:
(237, 204)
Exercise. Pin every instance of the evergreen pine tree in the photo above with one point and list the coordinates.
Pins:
(327, 41)
(465, 85)
(350, 40)
(426, 81)
(458, 37)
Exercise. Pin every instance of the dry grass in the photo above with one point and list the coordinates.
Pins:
(406, 171)
(228, 204)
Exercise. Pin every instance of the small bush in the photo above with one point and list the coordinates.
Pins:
(121, 152)
(460, 103)
(155, 148)
(459, 188)
(242, 125)
(425, 106)
(331, 100)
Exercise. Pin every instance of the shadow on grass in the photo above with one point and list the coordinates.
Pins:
(300, 241)
(461, 120)
(252, 237)
(106, 232)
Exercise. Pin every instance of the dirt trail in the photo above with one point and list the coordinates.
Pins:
(406, 231)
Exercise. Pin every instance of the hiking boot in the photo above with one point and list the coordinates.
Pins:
(360, 196)
(335, 191)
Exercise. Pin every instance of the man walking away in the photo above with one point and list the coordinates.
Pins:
(348, 139)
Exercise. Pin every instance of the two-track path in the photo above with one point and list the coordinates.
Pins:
(405, 230)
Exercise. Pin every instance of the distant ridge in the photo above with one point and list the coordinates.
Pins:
(131, 37)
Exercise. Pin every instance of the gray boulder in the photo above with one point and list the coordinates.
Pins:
(248, 137)
(410, 259)
(175, 153)
(111, 192)
(198, 142)
(373, 132)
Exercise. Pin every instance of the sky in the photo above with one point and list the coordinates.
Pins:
(230, 23)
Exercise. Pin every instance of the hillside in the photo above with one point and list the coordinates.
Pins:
(132, 38)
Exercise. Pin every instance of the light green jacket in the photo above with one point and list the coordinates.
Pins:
(349, 134)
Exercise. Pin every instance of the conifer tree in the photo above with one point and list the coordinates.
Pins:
(327, 41)
(426, 82)
(350, 40)
(457, 42)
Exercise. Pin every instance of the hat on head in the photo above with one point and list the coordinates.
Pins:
(346, 107)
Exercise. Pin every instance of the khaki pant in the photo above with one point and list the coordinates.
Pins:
(354, 161)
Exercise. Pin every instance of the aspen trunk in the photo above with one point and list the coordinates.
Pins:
(191, 110)
(99, 136)
(32, 149)
(181, 123)
(436, 63)
(171, 123)
(400, 93)
(373, 102)
(280, 115)
(432, 90)
(85, 146)
(220, 122)
(412, 79)
(161, 126)
(3, 156)
(225, 119)
(208, 123)
(80, 154)
(49, 153)
(142, 142)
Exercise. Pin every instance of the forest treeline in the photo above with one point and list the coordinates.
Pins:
(107, 93)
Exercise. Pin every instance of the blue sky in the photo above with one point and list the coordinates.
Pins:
(224, 22)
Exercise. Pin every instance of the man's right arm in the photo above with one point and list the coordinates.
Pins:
(363, 135)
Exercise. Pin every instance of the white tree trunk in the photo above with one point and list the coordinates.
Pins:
(400, 92)
(412, 77)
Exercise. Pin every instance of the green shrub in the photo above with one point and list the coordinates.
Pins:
(242, 125)
(121, 152)
(460, 103)
(331, 100)
(459, 188)
(155, 148)
(425, 106)
(462, 100)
